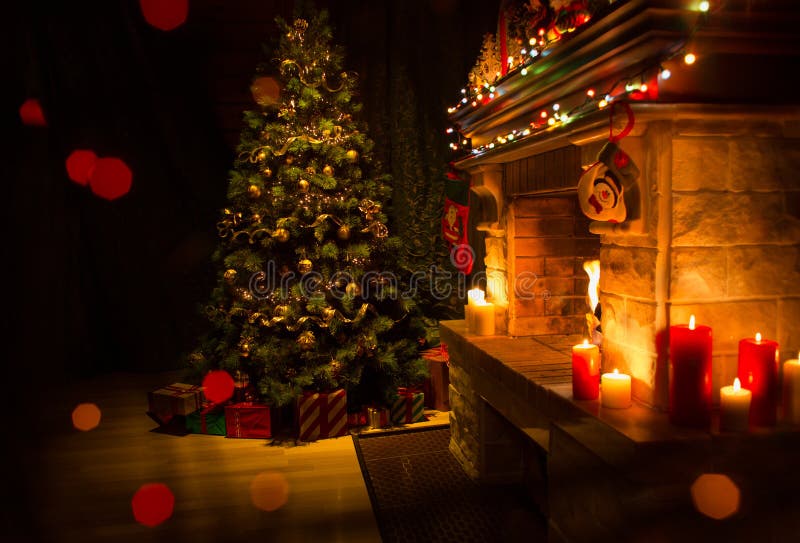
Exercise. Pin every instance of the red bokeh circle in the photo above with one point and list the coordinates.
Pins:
(110, 178)
(31, 113)
(165, 14)
(80, 164)
(152, 504)
(218, 386)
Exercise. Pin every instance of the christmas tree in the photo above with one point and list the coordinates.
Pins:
(307, 296)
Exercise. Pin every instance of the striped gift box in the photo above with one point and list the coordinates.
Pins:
(321, 415)
(408, 407)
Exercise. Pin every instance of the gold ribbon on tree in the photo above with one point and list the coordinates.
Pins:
(376, 227)
(303, 72)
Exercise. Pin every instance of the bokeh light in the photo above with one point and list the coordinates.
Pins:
(715, 495)
(31, 113)
(218, 386)
(80, 164)
(110, 178)
(266, 91)
(86, 416)
(269, 491)
(152, 504)
(165, 14)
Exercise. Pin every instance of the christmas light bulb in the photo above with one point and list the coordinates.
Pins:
(690, 58)
(643, 87)
(590, 93)
(556, 107)
(703, 6)
(602, 104)
(551, 121)
(665, 74)
(523, 71)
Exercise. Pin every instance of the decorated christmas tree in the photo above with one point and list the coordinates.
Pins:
(307, 295)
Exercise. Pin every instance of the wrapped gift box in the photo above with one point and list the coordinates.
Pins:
(408, 407)
(357, 419)
(210, 419)
(164, 403)
(437, 386)
(321, 415)
(247, 420)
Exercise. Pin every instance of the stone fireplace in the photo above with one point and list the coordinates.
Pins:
(716, 235)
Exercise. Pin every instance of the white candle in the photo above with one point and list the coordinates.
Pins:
(475, 296)
(791, 390)
(734, 407)
(615, 390)
(483, 319)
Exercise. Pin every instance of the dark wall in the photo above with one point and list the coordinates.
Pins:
(101, 286)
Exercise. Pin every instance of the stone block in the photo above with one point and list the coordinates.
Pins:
(724, 218)
(639, 319)
(629, 271)
(699, 163)
(529, 307)
(723, 372)
(556, 286)
(613, 315)
(559, 305)
(788, 336)
(698, 273)
(560, 266)
(533, 326)
(764, 270)
(549, 227)
(762, 164)
(730, 321)
(529, 265)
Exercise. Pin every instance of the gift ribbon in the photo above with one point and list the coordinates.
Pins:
(628, 125)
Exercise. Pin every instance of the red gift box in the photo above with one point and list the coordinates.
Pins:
(437, 386)
(321, 415)
(247, 420)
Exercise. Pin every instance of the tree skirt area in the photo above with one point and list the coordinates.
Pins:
(419, 492)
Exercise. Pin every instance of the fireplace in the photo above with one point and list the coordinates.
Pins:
(713, 230)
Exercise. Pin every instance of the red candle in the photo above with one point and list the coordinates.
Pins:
(690, 374)
(585, 371)
(758, 372)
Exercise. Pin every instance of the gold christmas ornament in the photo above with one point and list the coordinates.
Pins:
(306, 340)
(281, 310)
(244, 349)
(328, 170)
(336, 368)
(256, 217)
(230, 275)
(311, 170)
(352, 155)
(289, 160)
(303, 185)
(267, 172)
(328, 313)
(304, 266)
(352, 289)
(254, 191)
(262, 155)
(343, 233)
(281, 234)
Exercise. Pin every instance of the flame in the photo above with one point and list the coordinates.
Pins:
(758, 336)
(737, 385)
(476, 296)
(691, 323)
(616, 371)
(592, 268)
(585, 342)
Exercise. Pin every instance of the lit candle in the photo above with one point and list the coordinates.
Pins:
(482, 318)
(616, 390)
(734, 407)
(475, 296)
(690, 374)
(585, 371)
(758, 372)
(791, 390)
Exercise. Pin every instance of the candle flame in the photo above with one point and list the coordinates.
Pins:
(758, 336)
(737, 385)
(616, 371)
(691, 323)
(476, 295)
(592, 268)
(585, 342)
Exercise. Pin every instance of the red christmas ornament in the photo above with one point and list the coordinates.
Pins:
(80, 164)
(31, 113)
(218, 386)
(152, 504)
(110, 178)
(165, 14)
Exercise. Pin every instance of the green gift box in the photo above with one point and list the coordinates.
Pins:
(208, 420)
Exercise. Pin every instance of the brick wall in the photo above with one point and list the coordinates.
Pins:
(551, 241)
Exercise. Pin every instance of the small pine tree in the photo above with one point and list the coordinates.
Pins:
(305, 298)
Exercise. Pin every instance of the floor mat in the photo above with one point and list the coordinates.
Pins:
(420, 493)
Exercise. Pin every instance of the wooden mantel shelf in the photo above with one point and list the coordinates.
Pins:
(528, 381)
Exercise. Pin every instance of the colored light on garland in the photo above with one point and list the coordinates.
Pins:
(703, 6)
(690, 58)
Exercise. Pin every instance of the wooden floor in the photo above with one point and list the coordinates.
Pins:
(79, 485)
